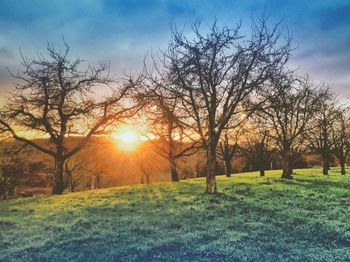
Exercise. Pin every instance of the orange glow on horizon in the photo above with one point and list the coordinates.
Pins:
(128, 137)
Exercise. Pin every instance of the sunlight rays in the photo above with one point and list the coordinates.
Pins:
(127, 137)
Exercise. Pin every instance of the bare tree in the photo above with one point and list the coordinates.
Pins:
(319, 135)
(56, 97)
(258, 146)
(341, 137)
(289, 107)
(69, 169)
(213, 73)
(97, 174)
(170, 138)
(12, 168)
(147, 170)
(228, 146)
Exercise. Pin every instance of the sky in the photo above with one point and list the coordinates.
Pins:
(121, 32)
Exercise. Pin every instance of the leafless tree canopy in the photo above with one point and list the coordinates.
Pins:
(54, 97)
(319, 135)
(228, 146)
(196, 94)
(171, 140)
(289, 107)
(340, 136)
(258, 146)
(214, 73)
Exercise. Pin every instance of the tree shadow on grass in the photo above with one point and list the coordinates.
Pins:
(316, 184)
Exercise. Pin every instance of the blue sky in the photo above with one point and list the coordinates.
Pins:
(123, 31)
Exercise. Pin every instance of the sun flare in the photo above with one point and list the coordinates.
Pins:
(127, 137)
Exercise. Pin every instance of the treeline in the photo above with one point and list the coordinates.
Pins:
(101, 164)
(214, 90)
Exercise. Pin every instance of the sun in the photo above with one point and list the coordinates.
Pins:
(127, 137)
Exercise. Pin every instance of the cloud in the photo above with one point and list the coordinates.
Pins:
(6, 53)
(123, 31)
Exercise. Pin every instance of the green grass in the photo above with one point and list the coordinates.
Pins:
(251, 219)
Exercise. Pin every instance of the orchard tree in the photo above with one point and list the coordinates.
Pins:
(228, 147)
(258, 146)
(213, 71)
(12, 169)
(290, 105)
(319, 135)
(340, 137)
(58, 97)
(70, 168)
(169, 135)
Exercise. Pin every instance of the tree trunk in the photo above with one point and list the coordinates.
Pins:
(148, 179)
(173, 170)
(98, 180)
(4, 187)
(342, 166)
(262, 172)
(228, 167)
(92, 183)
(211, 169)
(287, 167)
(262, 167)
(58, 186)
(71, 184)
(325, 164)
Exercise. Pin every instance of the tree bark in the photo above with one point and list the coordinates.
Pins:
(148, 179)
(228, 167)
(173, 170)
(71, 185)
(92, 183)
(211, 169)
(98, 180)
(4, 188)
(262, 172)
(325, 164)
(171, 153)
(262, 167)
(342, 166)
(58, 186)
(287, 167)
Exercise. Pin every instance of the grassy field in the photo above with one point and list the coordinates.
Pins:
(251, 219)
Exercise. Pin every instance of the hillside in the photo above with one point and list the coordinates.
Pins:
(251, 219)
